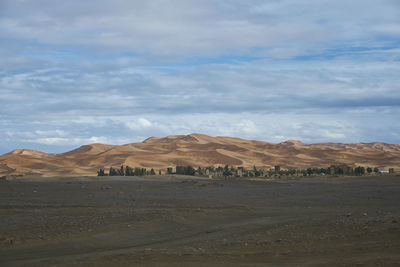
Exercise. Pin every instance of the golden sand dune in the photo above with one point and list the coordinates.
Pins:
(198, 150)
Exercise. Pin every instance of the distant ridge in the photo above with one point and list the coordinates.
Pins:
(198, 150)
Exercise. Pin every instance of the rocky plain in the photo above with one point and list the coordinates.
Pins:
(192, 221)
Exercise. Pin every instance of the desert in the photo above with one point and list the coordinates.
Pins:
(197, 150)
(193, 221)
(58, 210)
(199, 133)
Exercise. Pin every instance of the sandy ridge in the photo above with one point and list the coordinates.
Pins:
(198, 150)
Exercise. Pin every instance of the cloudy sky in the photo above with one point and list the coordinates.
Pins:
(77, 72)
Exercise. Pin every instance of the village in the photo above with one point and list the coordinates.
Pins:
(242, 172)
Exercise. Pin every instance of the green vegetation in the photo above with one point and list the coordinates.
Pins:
(226, 171)
(101, 172)
(359, 170)
(185, 170)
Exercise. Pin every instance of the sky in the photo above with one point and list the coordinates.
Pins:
(97, 71)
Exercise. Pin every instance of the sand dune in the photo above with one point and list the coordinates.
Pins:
(198, 150)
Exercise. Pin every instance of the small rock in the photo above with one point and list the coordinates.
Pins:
(365, 214)
(10, 240)
(348, 214)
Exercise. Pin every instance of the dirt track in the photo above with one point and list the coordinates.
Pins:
(167, 221)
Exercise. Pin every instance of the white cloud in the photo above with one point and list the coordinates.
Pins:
(144, 123)
(135, 124)
(57, 132)
(197, 27)
(80, 72)
(77, 141)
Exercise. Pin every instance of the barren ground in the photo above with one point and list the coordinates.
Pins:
(186, 221)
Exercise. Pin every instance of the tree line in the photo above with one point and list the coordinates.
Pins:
(230, 171)
(126, 171)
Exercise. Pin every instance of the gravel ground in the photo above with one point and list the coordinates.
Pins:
(186, 221)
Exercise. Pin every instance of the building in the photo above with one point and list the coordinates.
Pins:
(347, 170)
(180, 170)
(340, 170)
(277, 168)
(332, 170)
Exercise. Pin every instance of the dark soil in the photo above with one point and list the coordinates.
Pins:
(184, 221)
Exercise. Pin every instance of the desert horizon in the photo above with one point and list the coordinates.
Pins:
(205, 134)
(199, 150)
(199, 133)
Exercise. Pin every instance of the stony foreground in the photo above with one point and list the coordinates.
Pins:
(169, 221)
